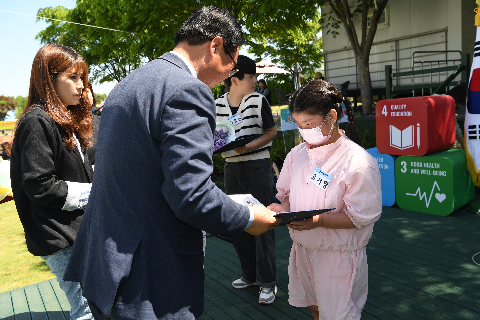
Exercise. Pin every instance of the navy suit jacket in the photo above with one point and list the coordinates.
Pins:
(139, 251)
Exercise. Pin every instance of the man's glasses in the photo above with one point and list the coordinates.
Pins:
(235, 68)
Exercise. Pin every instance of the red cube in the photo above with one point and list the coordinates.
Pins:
(415, 126)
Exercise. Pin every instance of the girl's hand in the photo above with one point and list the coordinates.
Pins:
(307, 224)
(276, 208)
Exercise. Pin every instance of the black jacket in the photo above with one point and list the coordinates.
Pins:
(39, 166)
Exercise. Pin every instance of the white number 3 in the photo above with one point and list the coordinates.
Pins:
(404, 166)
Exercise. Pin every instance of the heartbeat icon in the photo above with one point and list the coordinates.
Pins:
(439, 196)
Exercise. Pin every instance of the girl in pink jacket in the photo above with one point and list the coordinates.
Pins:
(328, 262)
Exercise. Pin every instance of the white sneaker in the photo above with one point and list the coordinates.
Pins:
(267, 295)
(241, 283)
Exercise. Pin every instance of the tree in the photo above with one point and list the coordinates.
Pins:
(344, 12)
(6, 104)
(147, 30)
(100, 97)
(22, 103)
(108, 53)
(288, 36)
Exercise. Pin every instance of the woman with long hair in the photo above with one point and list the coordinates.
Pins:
(50, 172)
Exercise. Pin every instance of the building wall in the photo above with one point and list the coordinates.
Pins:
(468, 29)
(413, 25)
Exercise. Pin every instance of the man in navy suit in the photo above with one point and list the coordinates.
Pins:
(139, 251)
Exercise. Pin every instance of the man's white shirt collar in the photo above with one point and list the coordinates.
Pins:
(189, 65)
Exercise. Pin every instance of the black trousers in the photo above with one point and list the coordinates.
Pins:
(256, 253)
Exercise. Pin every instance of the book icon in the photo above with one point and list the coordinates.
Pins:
(404, 139)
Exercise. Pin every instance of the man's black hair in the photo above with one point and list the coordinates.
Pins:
(207, 23)
(245, 66)
(262, 81)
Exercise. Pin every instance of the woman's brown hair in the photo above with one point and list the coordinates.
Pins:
(318, 97)
(51, 60)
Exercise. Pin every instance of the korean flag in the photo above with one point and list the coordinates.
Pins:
(472, 116)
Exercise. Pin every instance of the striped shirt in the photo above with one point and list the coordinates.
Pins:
(257, 117)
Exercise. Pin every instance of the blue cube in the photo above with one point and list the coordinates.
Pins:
(386, 164)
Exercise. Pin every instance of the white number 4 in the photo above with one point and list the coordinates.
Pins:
(384, 111)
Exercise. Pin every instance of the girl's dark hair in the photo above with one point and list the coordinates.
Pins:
(245, 66)
(51, 60)
(318, 97)
(207, 23)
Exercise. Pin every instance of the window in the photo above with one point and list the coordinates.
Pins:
(382, 22)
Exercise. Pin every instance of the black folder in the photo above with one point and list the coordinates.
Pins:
(237, 143)
(288, 217)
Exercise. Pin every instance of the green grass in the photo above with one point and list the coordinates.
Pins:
(18, 267)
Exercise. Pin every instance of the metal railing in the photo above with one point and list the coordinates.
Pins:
(435, 88)
(433, 64)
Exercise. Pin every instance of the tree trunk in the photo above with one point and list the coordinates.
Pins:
(365, 84)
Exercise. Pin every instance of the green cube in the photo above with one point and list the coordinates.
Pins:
(438, 183)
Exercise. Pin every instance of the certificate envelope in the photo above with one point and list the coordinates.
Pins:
(288, 217)
(237, 143)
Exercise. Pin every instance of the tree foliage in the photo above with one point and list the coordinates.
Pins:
(361, 40)
(287, 32)
(110, 54)
(100, 97)
(284, 31)
(22, 103)
(6, 104)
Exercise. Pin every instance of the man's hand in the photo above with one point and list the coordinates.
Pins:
(278, 208)
(263, 221)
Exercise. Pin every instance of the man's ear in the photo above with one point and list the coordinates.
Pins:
(216, 45)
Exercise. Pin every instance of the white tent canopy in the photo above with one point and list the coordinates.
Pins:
(269, 67)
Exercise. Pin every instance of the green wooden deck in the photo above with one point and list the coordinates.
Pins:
(420, 267)
(40, 301)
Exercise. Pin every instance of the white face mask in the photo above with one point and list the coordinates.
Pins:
(315, 136)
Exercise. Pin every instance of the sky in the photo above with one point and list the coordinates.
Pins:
(18, 44)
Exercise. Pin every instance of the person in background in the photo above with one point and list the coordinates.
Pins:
(139, 250)
(319, 76)
(90, 96)
(6, 150)
(248, 171)
(277, 165)
(263, 89)
(50, 172)
(328, 263)
(459, 94)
